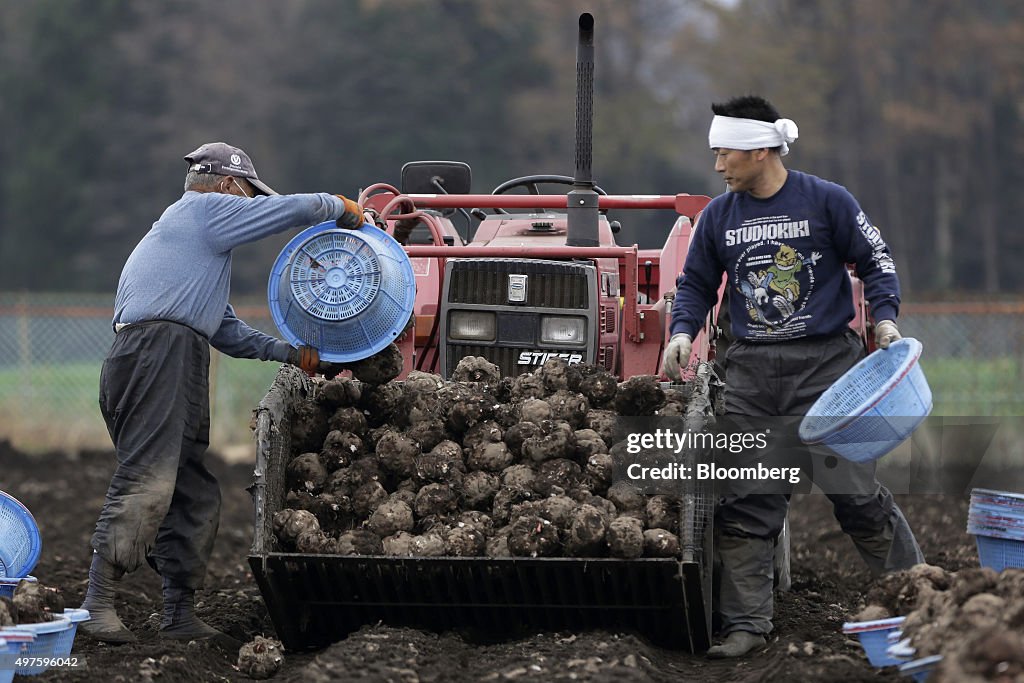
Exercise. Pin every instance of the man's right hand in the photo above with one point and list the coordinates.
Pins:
(306, 358)
(353, 218)
(677, 355)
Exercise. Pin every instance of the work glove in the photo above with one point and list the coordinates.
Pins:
(353, 218)
(886, 333)
(677, 355)
(305, 357)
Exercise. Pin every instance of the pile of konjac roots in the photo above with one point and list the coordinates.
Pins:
(477, 466)
(974, 618)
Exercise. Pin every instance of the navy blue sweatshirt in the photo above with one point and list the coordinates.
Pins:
(785, 258)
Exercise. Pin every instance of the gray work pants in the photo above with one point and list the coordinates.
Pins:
(163, 504)
(785, 379)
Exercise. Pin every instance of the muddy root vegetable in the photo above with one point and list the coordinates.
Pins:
(348, 420)
(487, 431)
(309, 427)
(340, 449)
(428, 433)
(340, 392)
(626, 538)
(528, 386)
(260, 658)
(478, 490)
(368, 497)
(390, 517)
(435, 499)
(397, 453)
(663, 513)
(305, 473)
(476, 369)
(533, 536)
(430, 544)
(517, 434)
(556, 476)
(598, 385)
(640, 395)
(380, 368)
(558, 375)
(587, 529)
(288, 524)
(569, 407)
(557, 440)
(660, 543)
(464, 540)
(489, 457)
(534, 410)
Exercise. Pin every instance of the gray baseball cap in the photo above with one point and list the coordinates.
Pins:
(223, 159)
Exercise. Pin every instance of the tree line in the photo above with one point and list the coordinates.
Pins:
(915, 107)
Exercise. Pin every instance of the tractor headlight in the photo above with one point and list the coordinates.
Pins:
(472, 325)
(567, 330)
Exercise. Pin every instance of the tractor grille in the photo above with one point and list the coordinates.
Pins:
(507, 357)
(551, 284)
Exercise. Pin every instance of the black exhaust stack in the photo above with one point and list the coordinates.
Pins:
(582, 215)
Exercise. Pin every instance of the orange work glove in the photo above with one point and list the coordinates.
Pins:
(305, 357)
(353, 218)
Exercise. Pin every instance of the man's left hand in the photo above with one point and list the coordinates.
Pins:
(886, 333)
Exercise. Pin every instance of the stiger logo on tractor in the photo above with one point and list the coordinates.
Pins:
(541, 357)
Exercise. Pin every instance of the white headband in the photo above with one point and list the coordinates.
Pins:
(733, 133)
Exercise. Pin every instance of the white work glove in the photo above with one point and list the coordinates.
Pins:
(677, 355)
(886, 333)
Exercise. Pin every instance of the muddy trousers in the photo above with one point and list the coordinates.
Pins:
(784, 379)
(163, 504)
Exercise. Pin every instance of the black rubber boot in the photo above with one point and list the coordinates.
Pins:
(103, 623)
(179, 620)
(736, 644)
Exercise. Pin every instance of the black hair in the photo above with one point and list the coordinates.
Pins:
(747, 107)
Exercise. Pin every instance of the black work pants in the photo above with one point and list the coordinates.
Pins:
(785, 379)
(163, 504)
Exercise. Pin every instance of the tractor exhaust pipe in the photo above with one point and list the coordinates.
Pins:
(581, 230)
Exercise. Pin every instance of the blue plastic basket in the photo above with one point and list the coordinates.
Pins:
(874, 407)
(1000, 553)
(20, 543)
(12, 643)
(921, 669)
(67, 638)
(874, 638)
(349, 293)
(49, 636)
(7, 585)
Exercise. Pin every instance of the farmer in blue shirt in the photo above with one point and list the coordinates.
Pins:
(782, 239)
(163, 504)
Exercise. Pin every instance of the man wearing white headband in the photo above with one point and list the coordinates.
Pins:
(783, 238)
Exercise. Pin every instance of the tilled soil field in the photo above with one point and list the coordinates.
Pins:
(65, 493)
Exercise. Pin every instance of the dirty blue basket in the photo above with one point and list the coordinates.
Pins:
(7, 585)
(921, 669)
(874, 638)
(996, 519)
(66, 640)
(348, 293)
(874, 407)
(50, 635)
(12, 642)
(20, 543)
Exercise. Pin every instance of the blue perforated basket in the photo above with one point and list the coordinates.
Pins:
(12, 643)
(51, 636)
(874, 407)
(20, 543)
(874, 638)
(349, 293)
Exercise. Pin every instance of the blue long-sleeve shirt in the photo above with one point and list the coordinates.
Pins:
(785, 259)
(181, 269)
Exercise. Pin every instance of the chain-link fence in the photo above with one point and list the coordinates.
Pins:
(52, 347)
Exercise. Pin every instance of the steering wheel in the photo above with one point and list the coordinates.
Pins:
(530, 182)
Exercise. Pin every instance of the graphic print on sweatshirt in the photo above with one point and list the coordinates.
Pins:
(774, 278)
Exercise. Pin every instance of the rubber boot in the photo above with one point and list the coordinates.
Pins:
(736, 644)
(103, 623)
(179, 620)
